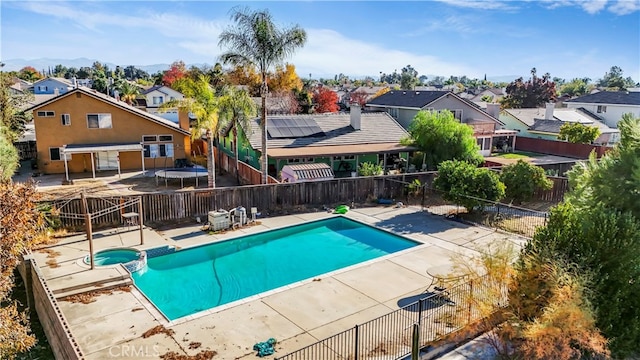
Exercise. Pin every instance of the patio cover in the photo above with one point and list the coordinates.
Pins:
(92, 148)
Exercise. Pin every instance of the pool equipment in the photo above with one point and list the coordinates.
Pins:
(219, 220)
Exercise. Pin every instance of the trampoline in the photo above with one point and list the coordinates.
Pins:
(181, 173)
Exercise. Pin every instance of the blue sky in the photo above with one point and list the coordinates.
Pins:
(567, 38)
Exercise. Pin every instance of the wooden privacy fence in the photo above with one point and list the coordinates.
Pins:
(248, 174)
(560, 148)
(268, 198)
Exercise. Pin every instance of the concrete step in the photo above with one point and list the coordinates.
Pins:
(105, 285)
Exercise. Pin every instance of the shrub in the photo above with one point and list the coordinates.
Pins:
(467, 185)
(369, 169)
(522, 180)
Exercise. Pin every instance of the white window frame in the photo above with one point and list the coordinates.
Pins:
(164, 141)
(155, 138)
(456, 112)
(65, 119)
(102, 121)
(155, 150)
(601, 109)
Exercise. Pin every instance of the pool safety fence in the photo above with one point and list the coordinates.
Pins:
(438, 315)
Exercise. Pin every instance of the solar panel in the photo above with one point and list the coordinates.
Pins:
(293, 128)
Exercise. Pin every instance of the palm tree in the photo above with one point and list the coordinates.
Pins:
(128, 92)
(256, 41)
(200, 100)
(237, 107)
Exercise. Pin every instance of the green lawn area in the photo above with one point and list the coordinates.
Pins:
(517, 155)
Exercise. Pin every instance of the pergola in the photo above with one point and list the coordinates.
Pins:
(95, 148)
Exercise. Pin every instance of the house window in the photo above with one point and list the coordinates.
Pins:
(158, 150)
(300, 160)
(55, 154)
(457, 114)
(601, 109)
(484, 143)
(345, 157)
(393, 112)
(149, 138)
(165, 138)
(66, 119)
(99, 121)
(157, 100)
(46, 113)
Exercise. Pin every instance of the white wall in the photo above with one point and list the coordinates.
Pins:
(614, 112)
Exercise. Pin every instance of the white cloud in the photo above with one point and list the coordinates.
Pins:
(481, 4)
(624, 7)
(329, 52)
(618, 7)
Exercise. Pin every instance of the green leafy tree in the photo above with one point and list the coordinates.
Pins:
(256, 41)
(578, 134)
(532, 93)
(597, 228)
(408, 78)
(522, 180)
(467, 185)
(614, 80)
(201, 101)
(9, 160)
(237, 108)
(442, 137)
(12, 116)
(29, 73)
(369, 169)
(486, 98)
(576, 87)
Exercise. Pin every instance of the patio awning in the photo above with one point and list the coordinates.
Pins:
(359, 149)
(92, 148)
(505, 132)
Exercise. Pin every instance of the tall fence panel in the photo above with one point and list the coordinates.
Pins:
(560, 148)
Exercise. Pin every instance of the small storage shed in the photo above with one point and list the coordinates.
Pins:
(306, 172)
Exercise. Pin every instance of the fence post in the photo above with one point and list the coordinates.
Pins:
(470, 302)
(545, 219)
(356, 341)
(415, 342)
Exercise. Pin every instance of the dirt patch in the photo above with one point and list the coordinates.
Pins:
(160, 329)
(89, 297)
(194, 345)
(202, 355)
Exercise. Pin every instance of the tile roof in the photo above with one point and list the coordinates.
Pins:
(562, 116)
(610, 97)
(121, 104)
(407, 98)
(375, 128)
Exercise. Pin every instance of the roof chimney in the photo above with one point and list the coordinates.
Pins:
(548, 112)
(56, 91)
(355, 114)
(493, 109)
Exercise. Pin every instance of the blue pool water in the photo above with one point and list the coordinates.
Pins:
(113, 256)
(196, 279)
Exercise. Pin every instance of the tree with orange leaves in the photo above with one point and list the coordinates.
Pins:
(29, 73)
(285, 79)
(176, 71)
(325, 100)
(358, 97)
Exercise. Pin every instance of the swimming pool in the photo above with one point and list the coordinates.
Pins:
(200, 278)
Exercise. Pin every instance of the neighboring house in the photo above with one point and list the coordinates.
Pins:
(157, 95)
(19, 86)
(84, 130)
(52, 86)
(341, 140)
(496, 95)
(545, 123)
(609, 105)
(403, 105)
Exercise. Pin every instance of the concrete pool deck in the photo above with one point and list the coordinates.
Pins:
(296, 315)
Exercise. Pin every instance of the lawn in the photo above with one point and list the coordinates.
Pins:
(517, 155)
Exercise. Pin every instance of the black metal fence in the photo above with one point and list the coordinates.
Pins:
(492, 214)
(437, 315)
